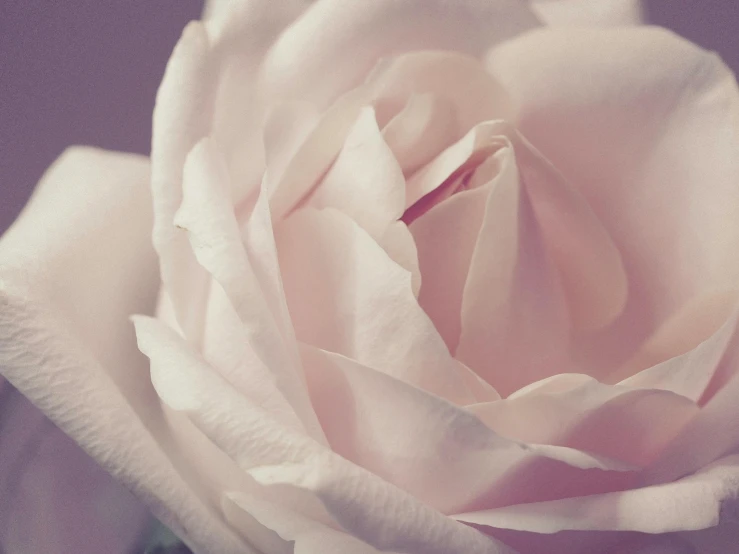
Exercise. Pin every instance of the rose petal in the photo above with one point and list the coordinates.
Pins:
(75, 265)
(454, 461)
(607, 13)
(374, 511)
(365, 182)
(632, 425)
(687, 374)
(691, 503)
(309, 536)
(445, 237)
(638, 120)
(208, 216)
(241, 32)
(478, 144)
(420, 130)
(714, 432)
(274, 454)
(343, 54)
(346, 295)
(182, 116)
(514, 322)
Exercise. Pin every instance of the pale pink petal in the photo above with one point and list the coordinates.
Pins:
(346, 295)
(586, 13)
(213, 418)
(208, 216)
(514, 323)
(420, 130)
(309, 536)
(286, 128)
(365, 181)
(692, 503)
(75, 265)
(374, 511)
(714, 432)
(454, 461)
(639, 121)
(588, 261)
(316, 59)
(274, 454)
(462, 157)
(182, 116)
(315, 154)
(632, 425)
(399, 244)
(687, 374)
(458, 81)
(445, 238)
(240, 33)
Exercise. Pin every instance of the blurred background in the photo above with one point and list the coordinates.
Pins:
(86, 72)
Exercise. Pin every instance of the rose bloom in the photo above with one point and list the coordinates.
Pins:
(436, 278)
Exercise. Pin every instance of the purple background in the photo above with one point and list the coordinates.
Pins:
(85, 71)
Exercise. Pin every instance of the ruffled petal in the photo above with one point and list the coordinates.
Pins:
(639, 121)
(346, 295)
(342, 55)
(320, 483)
(692, 503)
(632, 425)
(269, 349)
(182, 116)
(74, 266)
(365, 181)
(455, 461)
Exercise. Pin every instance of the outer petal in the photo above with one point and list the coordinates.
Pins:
(623, 423)
(182, 116)
(343, 53)
(270, 352)
(606, 13)
(240, 33)
(646, 126)
(74, 266)
(455, 461)
(322, 485)
(692, 503)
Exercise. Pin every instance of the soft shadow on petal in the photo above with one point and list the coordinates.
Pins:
(309, 536)
(241, 32)
(644, 125)
(54, 496)
(714, 432)
(628, 424)
(317, 59)
(321, 485)
(365, 181)
(74, 266)
(269, 350)
(692, 503)
(346, 295)
(454, 461)
(589, 13)
(182, 116)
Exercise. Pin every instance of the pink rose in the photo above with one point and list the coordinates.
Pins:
(436, 279)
